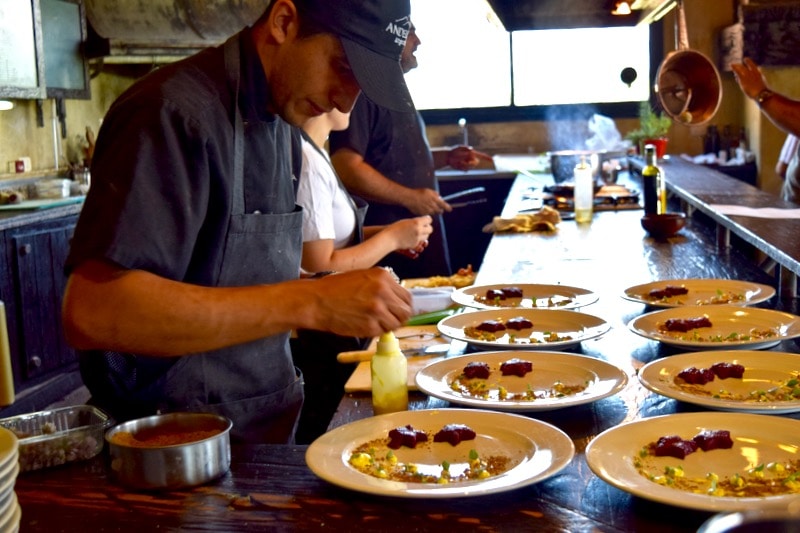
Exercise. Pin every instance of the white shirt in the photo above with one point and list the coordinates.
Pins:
(328, 211)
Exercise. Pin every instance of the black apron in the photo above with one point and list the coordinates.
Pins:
(255, 384)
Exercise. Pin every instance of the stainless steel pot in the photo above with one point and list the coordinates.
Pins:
(171, 466)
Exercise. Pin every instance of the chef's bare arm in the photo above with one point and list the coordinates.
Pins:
(110, 308)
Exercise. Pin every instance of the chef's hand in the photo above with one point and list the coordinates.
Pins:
(413, 253)
(465, 158)
(750, 78)
(361, 303)
(426, 202)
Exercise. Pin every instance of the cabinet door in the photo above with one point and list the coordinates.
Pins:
(40, 281)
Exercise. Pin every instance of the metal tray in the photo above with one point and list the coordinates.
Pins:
(58, 436)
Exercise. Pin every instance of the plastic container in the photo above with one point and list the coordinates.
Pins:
(58, 436)
(389, 370)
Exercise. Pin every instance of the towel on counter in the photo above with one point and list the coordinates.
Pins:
(543, 220)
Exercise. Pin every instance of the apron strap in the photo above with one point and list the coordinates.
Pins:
(232, 67)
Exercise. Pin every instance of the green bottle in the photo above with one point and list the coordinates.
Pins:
(653, 188)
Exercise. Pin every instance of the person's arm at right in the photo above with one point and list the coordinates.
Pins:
(406, 234)
(107, 307)
(363, 179)
(783, 111)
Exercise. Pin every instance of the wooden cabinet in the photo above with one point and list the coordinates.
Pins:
(32, 283)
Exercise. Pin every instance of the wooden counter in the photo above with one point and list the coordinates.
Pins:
(270, 488)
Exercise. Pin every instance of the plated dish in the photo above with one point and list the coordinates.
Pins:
(699, 292)
(549, 328)
(732, 327)
(757, 440)
(557, 380)
(535, 450)
(769, 384)
(531, 296)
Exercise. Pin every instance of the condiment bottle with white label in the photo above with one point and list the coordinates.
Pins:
(6, 375)
(584, 191)
(389, 370)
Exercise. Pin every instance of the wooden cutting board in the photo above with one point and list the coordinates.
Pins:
(361, 379)
(410, 338)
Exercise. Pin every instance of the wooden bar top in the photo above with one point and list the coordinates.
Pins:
(270, 488)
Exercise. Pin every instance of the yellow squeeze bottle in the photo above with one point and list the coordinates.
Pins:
(389, 370)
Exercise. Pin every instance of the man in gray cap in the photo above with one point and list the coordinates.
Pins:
(183, 272)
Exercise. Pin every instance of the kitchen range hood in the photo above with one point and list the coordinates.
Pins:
(145, 30)
(564, 14)
(163, 28)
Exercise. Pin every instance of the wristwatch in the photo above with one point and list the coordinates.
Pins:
(763, 96)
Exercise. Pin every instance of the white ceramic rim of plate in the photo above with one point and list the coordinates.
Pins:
(12, 515)
(610, 455)
(649, 377)
(7, 496)
(716, 313)
(580, 297)
(452, 326)
(433, 379)
(550, 450)
(762, 292)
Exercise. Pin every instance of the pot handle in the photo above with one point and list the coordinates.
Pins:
(681, 35)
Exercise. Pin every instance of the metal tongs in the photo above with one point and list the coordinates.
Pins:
(466, 192)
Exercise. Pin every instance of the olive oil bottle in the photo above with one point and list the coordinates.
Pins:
(653, 187)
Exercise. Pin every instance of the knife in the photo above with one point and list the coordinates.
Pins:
(453, 196)
(366, 355)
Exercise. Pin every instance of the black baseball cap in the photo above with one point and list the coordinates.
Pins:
(373, 34)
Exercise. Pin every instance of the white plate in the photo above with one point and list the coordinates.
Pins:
(603, 379)
(533, 297)
(538, 450)
(757, 439)
(763, 371)
(700, 290)
(580, 326)
(725, 320)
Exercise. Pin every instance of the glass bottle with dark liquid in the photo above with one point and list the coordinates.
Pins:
(653, 187)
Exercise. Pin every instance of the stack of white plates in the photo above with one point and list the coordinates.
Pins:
(10, 511)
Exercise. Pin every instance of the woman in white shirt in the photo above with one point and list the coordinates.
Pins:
(333, 222)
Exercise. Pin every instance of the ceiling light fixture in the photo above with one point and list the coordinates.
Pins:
(623, 7)
(5, 105)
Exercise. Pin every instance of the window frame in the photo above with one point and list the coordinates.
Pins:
(512, 113)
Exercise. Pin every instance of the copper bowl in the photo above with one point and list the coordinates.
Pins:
(664, 225)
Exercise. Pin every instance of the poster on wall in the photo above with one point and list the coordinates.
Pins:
(772, 34)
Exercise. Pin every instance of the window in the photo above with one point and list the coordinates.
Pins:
(468, 61)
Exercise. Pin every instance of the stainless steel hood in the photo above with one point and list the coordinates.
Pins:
(120, 28)
(561, 14)
(142, 30)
